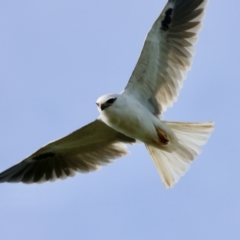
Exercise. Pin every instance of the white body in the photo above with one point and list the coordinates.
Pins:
(131, 118)
(127, 115)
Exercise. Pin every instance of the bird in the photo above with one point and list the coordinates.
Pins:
(135, 115)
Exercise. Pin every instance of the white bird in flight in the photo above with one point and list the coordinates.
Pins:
(134, 114)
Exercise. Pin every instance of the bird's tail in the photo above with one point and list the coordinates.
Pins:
(171, 165)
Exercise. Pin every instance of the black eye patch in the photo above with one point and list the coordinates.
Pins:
(111, 100)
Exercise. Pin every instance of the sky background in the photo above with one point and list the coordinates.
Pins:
(56, 58)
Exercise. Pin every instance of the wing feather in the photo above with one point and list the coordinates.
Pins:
(167, 55)
(84, 150)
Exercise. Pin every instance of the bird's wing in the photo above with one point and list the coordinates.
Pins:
(167, 55)
(84, 150)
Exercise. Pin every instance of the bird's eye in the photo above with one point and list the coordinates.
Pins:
(111, 100)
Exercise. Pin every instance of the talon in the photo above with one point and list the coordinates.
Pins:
(162, 136)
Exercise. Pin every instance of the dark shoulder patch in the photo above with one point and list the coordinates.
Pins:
(44, 156)
(167, 20)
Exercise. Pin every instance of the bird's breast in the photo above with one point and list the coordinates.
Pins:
(133, 120)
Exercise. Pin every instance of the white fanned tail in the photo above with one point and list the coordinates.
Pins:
(171, 165)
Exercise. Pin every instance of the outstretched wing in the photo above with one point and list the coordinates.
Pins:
(84, 150)
(167, 55)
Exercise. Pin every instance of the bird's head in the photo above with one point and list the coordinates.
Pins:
(106, 101)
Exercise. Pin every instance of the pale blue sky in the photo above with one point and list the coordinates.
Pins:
(57, 58)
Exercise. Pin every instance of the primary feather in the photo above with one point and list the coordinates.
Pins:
(84, 150)
(167, 55)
